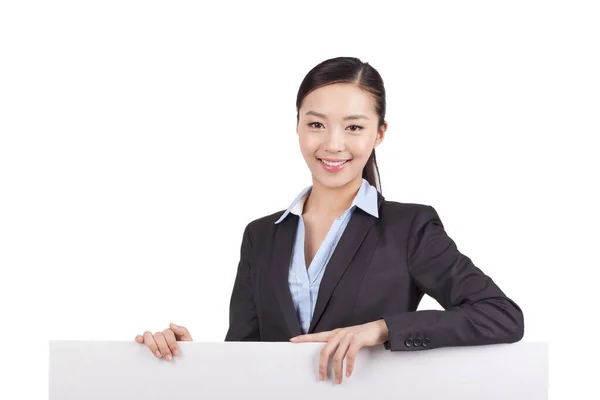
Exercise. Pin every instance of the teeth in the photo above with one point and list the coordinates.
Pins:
(333, 164)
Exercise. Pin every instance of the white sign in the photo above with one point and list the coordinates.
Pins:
(98, 370)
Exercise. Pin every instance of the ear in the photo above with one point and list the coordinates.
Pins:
(381, 133)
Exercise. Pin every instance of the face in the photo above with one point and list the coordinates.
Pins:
(337, 130)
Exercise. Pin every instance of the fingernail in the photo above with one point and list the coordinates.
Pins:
(348, 374)
(320, 377)
(175, 352)
(158, 354)
(338, 380)
(168, 357)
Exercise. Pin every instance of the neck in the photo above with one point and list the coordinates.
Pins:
(331, 202)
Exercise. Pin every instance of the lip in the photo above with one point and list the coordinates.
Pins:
(329, 168)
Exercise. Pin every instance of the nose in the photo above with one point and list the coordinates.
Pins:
(334, 141)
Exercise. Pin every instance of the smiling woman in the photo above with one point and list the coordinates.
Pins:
(342, 102)
(342, 264)
(339, 128)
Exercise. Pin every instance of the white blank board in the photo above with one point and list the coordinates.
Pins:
(95, 370)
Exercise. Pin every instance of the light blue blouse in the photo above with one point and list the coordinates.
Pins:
(304, 284)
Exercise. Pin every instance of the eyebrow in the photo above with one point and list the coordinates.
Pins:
(354, 116)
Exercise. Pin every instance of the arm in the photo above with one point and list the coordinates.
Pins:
(476, 311)
(243, 320)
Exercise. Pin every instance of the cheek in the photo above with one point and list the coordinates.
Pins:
(360, 147)
(308, 145)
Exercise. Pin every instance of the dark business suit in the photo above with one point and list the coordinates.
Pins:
(381, 268)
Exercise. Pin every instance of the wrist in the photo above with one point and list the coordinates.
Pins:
(384, 330)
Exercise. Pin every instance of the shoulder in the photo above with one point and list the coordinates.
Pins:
(263, 224)
(406, 214)
(398, 208)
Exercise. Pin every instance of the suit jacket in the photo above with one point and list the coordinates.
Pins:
(381, 268)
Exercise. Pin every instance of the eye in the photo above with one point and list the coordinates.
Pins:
(355, 128)
(315, 125)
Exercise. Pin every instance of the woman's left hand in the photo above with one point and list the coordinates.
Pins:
(345, 343)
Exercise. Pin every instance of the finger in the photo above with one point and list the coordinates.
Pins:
(312, 337)
(355, 346)
(149, 340)
(171, 341)
(162, 346)
(338, 357)
(139, 339)
(326, 353)
(181, 333)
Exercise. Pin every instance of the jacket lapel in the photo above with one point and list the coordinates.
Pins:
(352, 238)
(283, 245)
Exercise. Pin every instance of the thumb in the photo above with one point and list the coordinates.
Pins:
(181, 333)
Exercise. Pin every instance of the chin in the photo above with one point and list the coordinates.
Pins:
(333, 182)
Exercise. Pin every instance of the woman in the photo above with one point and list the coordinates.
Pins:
(343, 265)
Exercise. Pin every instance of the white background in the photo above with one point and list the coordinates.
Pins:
(137, 140)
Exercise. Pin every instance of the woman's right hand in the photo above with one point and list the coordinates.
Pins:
(164, 344)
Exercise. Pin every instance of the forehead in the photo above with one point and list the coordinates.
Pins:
(339, 100)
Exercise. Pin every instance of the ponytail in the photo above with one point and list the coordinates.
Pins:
(371, 172)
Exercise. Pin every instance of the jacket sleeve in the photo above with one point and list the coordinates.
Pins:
(243, 319)
(476, 311)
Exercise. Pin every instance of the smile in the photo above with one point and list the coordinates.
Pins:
(333, 166)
